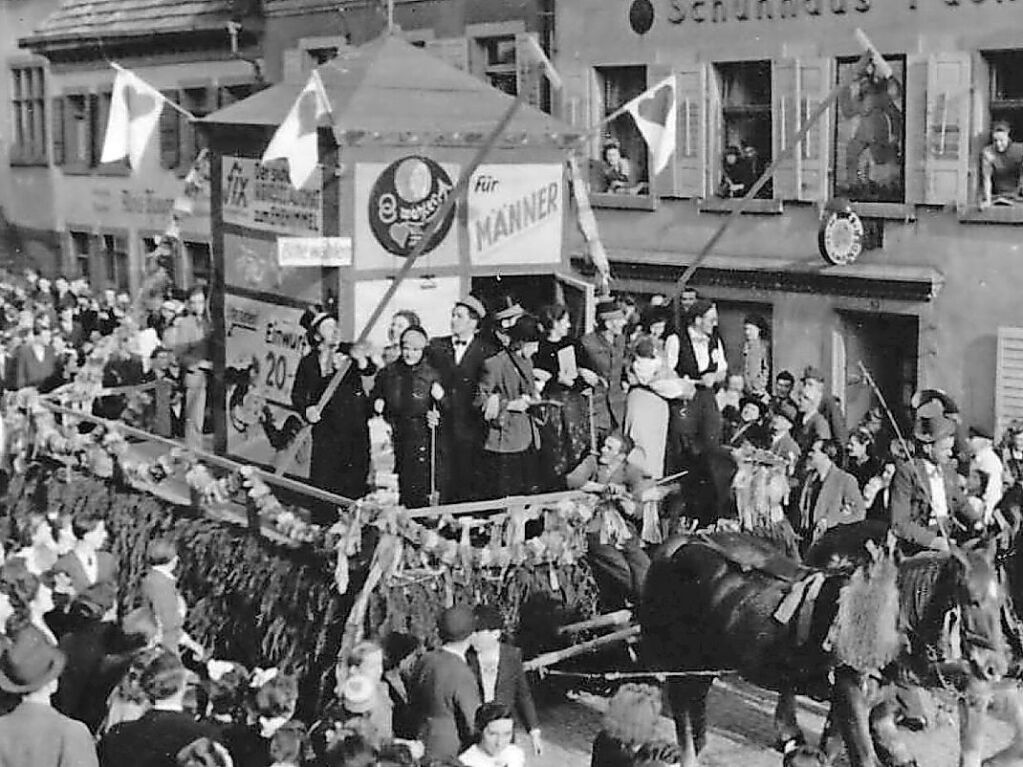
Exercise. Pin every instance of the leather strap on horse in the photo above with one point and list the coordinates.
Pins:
(801, 599)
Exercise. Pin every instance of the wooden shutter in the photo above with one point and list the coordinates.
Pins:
(170, 144)
(816, 77)
(948, 117)
(690, 153)
(91, 158)
(786, 98)
(713, 124)
(57, 131)
(100, 111)
(1008, 378)
(454, 50)
(666, 184)
(916, 131)
(529, 75)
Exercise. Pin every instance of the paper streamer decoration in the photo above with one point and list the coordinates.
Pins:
(587, 222)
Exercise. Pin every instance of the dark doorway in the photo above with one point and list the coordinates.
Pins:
(888, 347)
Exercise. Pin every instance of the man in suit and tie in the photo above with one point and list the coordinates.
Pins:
(443, 691)
(459, 360)
(500, 673)
(830, 496)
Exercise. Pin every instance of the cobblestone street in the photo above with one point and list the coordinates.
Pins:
(741, 733)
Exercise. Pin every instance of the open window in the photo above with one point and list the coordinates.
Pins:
(498, 57)
(1001, 160)
(745, 127)
(869, 151)
(621, 166)
(81, 253)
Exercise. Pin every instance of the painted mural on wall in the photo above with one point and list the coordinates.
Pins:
(870, 139)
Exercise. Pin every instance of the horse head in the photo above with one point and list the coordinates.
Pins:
(977, 592)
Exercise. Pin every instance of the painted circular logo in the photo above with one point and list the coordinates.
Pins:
(404, 200)
(840, 239)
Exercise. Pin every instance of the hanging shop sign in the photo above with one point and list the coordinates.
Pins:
(261, 197)
(314, 251)
(840, 238)
(395, 204)
(515, 214)
(264, 344)
(252, 263)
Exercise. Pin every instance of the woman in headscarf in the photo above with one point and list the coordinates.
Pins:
(409, 395)
(340, 450)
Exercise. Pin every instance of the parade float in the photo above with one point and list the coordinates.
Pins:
(265, 585)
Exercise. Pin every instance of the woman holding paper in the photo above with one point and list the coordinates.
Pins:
(563, 367)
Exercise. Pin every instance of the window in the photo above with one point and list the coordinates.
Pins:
(869, 161)
(498, 55)
(116, 262)
(196, 100)
(78, 131)
(745, 89)
(1007, 89)
(168, 259)
(198, 262)
(81, 250)
(230, 94)
(28, 101)
(621, 167)
(318, 56)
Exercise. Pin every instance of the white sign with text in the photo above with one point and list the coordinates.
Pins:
(314, 251)
(258, 196)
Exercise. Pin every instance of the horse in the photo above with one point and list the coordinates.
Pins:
(710, 603)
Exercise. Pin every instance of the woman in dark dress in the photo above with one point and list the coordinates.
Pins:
(340, 450)
(564, 429)
(409, 395)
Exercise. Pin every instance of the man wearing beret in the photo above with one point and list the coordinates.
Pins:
(443, 692)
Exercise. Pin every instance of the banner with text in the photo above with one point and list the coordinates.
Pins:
(263, 345)
(515, 214)
(261, 197)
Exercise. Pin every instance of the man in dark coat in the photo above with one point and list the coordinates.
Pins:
(459, 360)
(830, 496)
(830, 408)
(606, 349)
(155, 739)
(443, 691)
(500, 673)
(926, 498)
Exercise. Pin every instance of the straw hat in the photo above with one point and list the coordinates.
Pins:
(29, 662)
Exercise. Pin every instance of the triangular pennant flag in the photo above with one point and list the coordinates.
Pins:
(655, 113)
(295, 138)
(135, 107)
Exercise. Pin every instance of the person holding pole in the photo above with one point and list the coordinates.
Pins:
(340, 431)
(409, 394)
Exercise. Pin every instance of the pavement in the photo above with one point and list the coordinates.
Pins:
(741, 732)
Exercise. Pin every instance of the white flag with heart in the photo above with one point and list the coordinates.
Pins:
(295, 138)
(655, 113)
(135, 108)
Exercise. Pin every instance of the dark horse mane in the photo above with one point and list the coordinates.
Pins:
(926, 594)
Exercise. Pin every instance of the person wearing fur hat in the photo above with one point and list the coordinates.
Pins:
(507, 391)
(340, 445)
(33, 734)
(926, 497)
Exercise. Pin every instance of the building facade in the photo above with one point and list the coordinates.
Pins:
(105, 218)
(27, 225)
(932, 300)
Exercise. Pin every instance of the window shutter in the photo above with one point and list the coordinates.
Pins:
(170, 150)
(89, 126)
(455, 51)
(712, 144)
(57, 120)
(529, 75)
(666, 184)
(689, 162)
(916, 121)
(948, 117)
(1008, 378)
(786, 100)
(815, 78)
(100, 111)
